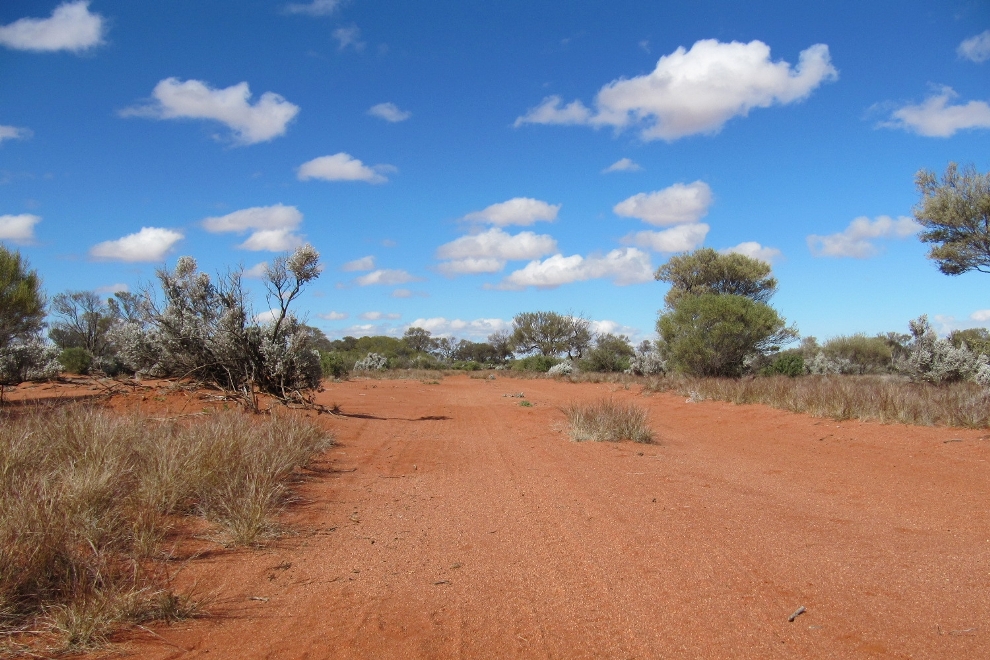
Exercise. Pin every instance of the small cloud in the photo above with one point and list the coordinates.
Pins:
(645, 45)
(981, 315)
(936, 117)
(855, 240)
(379, 316)
(622, 266)
(151, 244)
(112, 288)
(754, 250)
(334, 316)
(682, 238)
(314, 8)
(14, 133)
(267, 316)
(342, 167)
(406, 293)
(389, 243)
(273, 227)
(18, 228)
(478, 328)
(976, 49)
(349, 37)
(516, 211)
(487, 252)
(695, 91)
(385, 277)
(257, 271)
(364, 263)
(622, 165)
(677, 204)
(194, 99)
(71, 27)
(389, 112)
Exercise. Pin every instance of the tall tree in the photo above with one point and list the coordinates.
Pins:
(82, 320)
(22, 302)
(708, 271)
(550, 333)
(955, 214)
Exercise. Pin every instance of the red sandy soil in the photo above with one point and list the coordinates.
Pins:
(450, 521)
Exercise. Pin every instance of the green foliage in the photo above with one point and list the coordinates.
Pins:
(789, 364)
(419, 340)
(22, 303)
(708, 271)
(975, 339)
(335, 365)
(550, 334)
(611, 353)
(467, 365)
(860, 354)
(82, 320)
(713, 334)
(76, 360)
(538, 363)
(955, 214)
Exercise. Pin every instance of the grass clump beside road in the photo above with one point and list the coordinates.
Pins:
(887, 399)
(88, 498)
(608, 421)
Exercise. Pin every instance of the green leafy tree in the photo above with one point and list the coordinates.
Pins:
(717, 317)
(550, 334)
(708, 271)
(82, 320)
(955, 214)
(22, 302)
(611, 353)
(713, 334)
(419, 340)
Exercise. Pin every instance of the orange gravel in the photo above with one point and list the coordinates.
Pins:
(450, 521)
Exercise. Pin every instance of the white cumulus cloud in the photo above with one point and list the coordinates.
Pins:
(379, 316)
(390, 112)
(622, 266)
(333, 316)
(272, 227)
(976, 49)
(314, 8)
(856, 239)
(754, 250)
(386, 277)
(516, 211)
(677, 204)
(682, 238)
(342, 167)
(695, 91)
(265, 120)
(14, 133)
(18, 228)
(937, 117)
(364, 263)
(477, 328)
(622, 165)
(150, 244)
(487, 252)
(70, 27)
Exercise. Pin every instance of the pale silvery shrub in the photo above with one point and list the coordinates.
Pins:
(822, 365)
(935, 360)
(371, 362)
(564, 368)
(30, 360)
(648, 363)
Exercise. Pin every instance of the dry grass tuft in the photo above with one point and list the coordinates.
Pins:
(887, 399)
(608, 421)
(87, 498)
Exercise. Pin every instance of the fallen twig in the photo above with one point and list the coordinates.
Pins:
(798, 612)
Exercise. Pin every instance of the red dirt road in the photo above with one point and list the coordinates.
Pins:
(458, 524)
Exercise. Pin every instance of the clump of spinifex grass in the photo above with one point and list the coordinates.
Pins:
(886, 399)
(608, 421)
(87, 498)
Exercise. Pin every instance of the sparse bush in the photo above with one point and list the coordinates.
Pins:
(467, 365)
(538, 363)
(372, 362)
(565, 368)
(935, 360)
(608, 421)
(86, 498)
(76, 360)
(333, 365)
(790, 364)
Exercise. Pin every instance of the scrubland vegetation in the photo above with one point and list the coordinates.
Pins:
(92, 504)
(608, 421)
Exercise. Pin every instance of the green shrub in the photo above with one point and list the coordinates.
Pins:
(334, 365)
(467, 365)
(859, 354)
(789, 364)
(76, 360)
(539, 363)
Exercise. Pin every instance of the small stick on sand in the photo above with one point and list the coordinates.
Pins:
(798, 612)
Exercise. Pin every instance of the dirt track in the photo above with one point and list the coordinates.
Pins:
(457, 523)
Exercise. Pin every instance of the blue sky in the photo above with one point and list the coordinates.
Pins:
(458, 162)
